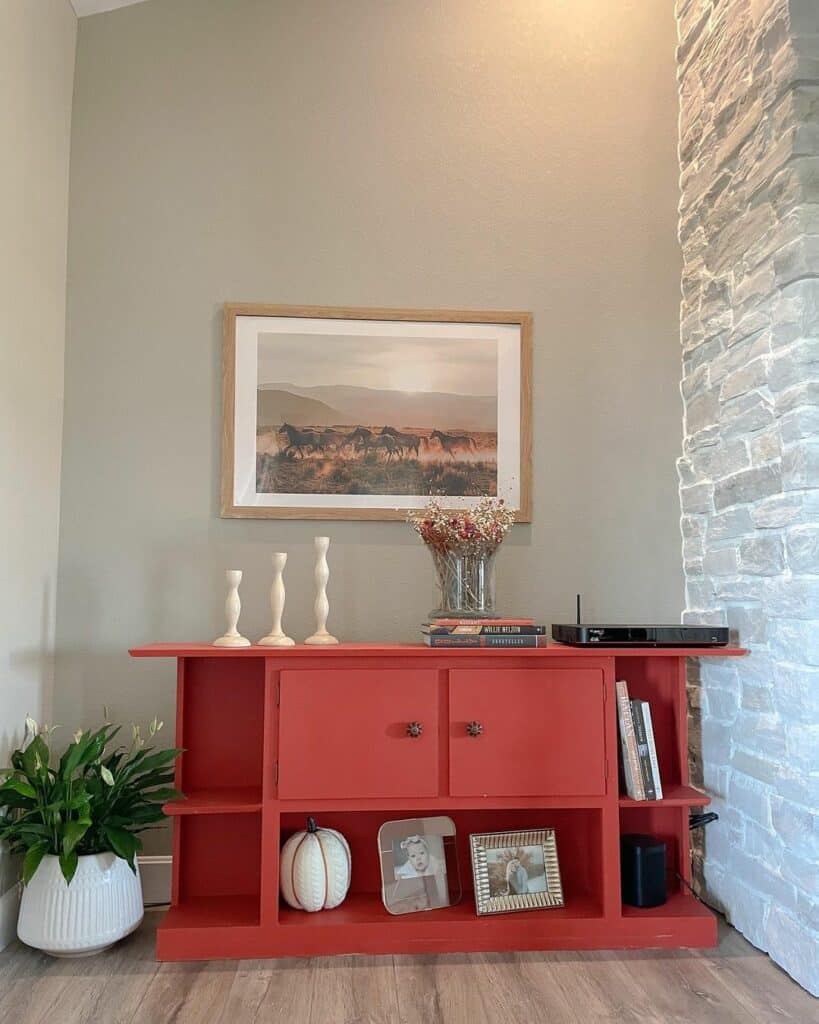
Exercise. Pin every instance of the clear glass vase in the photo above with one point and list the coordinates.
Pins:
(466, 581)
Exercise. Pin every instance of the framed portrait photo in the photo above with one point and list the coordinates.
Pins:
(515, 871)
(336, 413)
(418, 864)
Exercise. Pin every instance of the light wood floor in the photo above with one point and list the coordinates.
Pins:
(734, 984)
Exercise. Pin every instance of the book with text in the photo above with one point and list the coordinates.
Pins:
(646, 773)
(486, 640)
(628, 744)
(652, 750)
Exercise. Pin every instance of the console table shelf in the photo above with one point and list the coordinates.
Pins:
(272, 735)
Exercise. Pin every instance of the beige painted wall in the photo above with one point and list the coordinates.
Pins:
(36, 72)
(465, 154)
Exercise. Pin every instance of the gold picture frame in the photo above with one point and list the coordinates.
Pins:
(269, 476)
(515, 871)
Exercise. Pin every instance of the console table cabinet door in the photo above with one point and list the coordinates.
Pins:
(527, 732)
(367, 733)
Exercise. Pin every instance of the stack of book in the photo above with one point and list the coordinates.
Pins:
(641, 771)
(483, 633)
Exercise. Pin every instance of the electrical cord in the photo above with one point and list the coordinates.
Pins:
(697, 821)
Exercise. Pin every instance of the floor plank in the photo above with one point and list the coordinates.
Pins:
(269, 992)
(755, 980)
(733, 984)
(353, 990)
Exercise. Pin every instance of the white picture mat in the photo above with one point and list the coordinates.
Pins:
(248, 329)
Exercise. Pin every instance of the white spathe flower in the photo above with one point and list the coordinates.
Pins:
(78, 735)
(107, 777)
(31, 727)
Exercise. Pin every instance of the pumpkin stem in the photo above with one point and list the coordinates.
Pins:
(311, 825)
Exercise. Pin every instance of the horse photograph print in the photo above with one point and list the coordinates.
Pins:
(340, 413)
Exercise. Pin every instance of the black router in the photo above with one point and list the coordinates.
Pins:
(579, 634)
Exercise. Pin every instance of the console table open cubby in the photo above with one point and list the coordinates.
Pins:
(274, 735)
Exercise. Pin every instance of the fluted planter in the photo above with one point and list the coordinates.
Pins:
(102, 905)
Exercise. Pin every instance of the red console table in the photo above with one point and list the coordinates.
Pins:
(272, 735)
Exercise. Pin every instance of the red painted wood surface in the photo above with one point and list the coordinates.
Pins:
(274, 735)
(392, 651)
(344, 733)
(542, 732)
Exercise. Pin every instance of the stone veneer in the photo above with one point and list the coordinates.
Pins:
(748, 73)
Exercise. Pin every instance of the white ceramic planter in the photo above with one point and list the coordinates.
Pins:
(102, 905)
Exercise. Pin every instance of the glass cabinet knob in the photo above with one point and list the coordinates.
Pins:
(474, 728)
(414, 729)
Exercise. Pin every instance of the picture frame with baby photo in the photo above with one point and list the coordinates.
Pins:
(418, 864)
(516, 871)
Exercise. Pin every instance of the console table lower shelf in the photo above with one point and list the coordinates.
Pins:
(272, 736)
(223, 927)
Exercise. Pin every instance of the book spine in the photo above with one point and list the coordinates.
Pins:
(467, 640)
(628, 743)
(509, 641)
(480, 622)
(513, 630)
(452, 641)
(652, 750)
(642, 750)
(435, 629)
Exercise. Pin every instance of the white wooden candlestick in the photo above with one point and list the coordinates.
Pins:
(322, 605)
(276, 637)
(233, 606)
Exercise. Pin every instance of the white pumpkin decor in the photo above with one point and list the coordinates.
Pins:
(315, 869)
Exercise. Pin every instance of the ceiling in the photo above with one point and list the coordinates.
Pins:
(85, 7)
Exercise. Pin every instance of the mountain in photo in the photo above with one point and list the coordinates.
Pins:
(275, 406)
(348, 404)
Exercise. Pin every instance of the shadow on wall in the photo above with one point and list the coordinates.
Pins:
(34, 666)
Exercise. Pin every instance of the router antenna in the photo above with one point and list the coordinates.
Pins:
(578, 609)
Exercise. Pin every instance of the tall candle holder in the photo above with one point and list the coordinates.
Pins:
(277, 637)
(322, 606)
(233, 606)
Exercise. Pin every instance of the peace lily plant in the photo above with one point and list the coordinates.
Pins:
(76, 820)
(94, 800)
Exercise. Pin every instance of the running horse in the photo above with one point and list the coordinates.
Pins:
(357, 438)
(452, 442)
(331, 438)
(408, 442)
(298, 439)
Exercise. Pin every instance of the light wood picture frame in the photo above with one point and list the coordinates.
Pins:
(359, 413)
(515, 871)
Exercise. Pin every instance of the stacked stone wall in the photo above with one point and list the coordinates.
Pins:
(748, 73)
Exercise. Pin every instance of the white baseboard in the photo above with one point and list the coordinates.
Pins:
(156, 879)
(9, 908)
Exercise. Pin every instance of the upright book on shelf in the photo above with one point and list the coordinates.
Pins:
(628, 743)
(646, 773)
(652, 749)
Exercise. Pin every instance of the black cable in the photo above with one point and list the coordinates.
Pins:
(698, 820)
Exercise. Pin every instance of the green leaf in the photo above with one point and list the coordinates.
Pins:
(122, 843)
(70, 760)
(32, 859)
(35, 759)
(18, 786)
(68, 865)
(157, 760)
(163, 795)
(73, 833)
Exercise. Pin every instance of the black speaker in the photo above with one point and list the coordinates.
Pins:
(642, 870)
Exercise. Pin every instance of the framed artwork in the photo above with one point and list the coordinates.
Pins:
(368, 413)
(515, 871)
